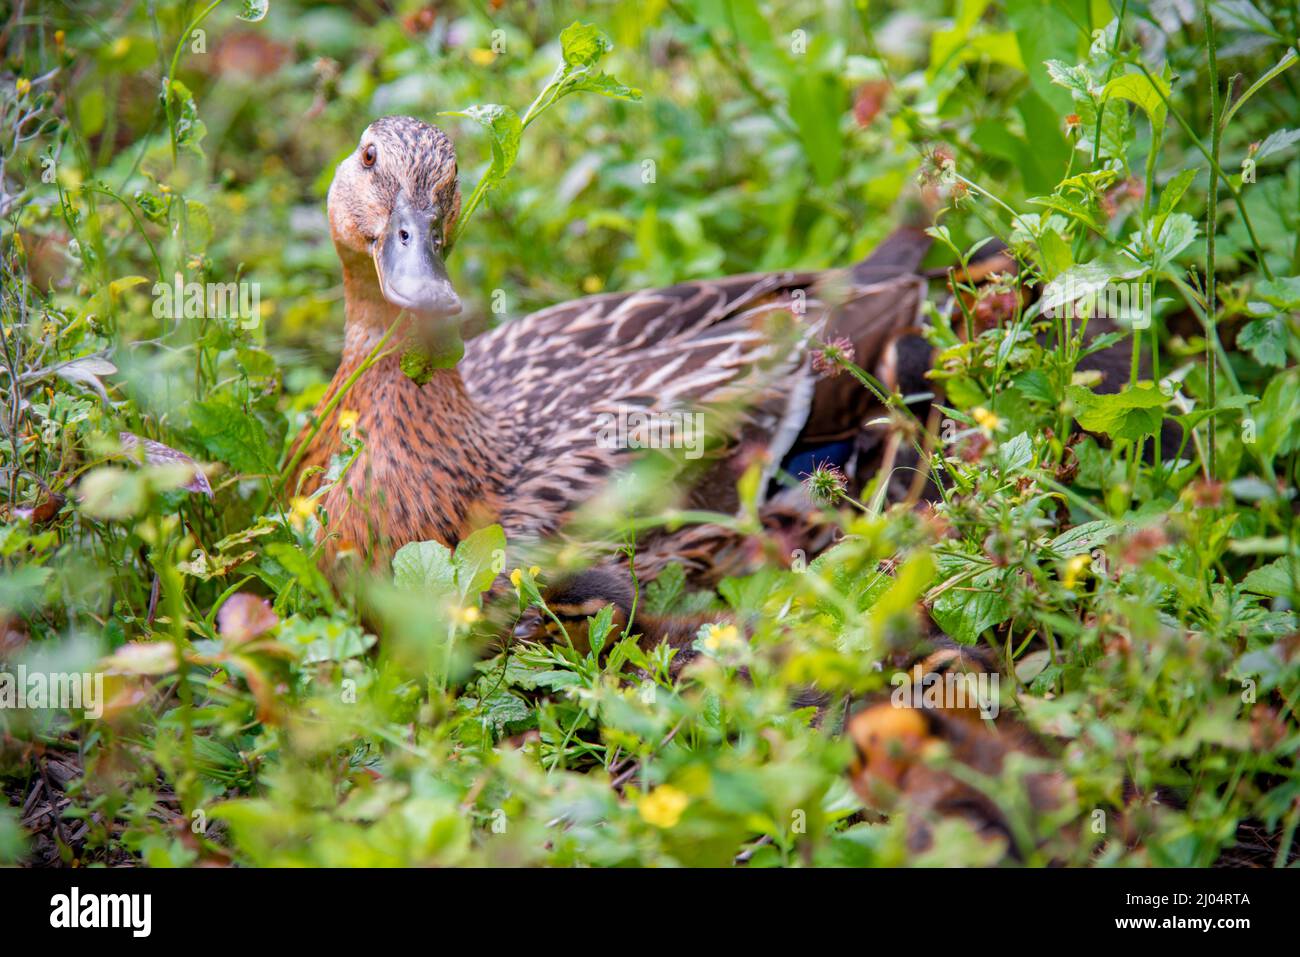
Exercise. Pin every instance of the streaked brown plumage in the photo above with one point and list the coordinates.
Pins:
(509, 435)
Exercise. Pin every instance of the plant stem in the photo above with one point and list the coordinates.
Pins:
(1211, 225)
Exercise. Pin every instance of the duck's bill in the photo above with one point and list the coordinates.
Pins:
(411, 271)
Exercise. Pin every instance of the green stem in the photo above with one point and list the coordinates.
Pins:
(374, 356)
(1212, 224)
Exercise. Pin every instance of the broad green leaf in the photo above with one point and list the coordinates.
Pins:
(1131, 414)
(476, 557)
(425, 566)
(966, 611)
(1276, 579)
(1145, 92)
(1266, 339)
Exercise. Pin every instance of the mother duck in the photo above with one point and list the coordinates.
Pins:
(512, 433)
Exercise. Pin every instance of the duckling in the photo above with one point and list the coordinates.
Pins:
(510, 433)
(894, 747)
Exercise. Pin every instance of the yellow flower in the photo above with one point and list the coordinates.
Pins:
(467, 615)
(592, 285)
(517, 576)
(23, 86)
(482, 57)
(985, 418)
(348, 419)
(721, 636)
(663, 806)
(1075, 568)
(301, 509)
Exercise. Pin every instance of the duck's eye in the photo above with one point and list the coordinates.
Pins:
(369, 155)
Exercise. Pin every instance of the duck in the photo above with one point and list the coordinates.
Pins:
(507, 431)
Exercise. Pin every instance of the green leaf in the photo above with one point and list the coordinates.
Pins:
(966, 611)
(1016, 454)
(419, 363)
(1276, 579)
(1082, 539)
(232, 435)
(476, 558)
(599, 628)
(1277, 142)
(504, 128)
(661, 595)
(1174, 191)
(1076, 79)
(425, 566)
(1131, 414)
(1277, 425)
(1266, 339)
(1145, 92)
(582, 44)
(606, 85)
(1284, 293)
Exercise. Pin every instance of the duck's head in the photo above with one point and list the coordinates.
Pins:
(573, 600)
(392, 206)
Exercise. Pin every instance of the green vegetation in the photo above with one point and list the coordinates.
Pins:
(1140, 592)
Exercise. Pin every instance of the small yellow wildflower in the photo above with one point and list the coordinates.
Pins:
(301, 509)
(482, 57)
(467, 615)
(721, 636)
(517, 576)
(663, 806)
(592, 285)
(985, 418)
(1075, 568)
(23, 86)
(348, 419)
(59, 38)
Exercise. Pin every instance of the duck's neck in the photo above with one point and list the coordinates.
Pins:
(428, 470)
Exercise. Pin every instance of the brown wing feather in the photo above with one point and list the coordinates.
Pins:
(698, 345)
